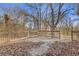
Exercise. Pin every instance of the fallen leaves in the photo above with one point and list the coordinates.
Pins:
(64, 49)
(18, 49)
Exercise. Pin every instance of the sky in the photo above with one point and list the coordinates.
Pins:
(24, 6)
(7, 5)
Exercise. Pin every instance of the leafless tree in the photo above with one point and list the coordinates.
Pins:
(6, 19)
(67, 25)
(59, 16)
(77, 9)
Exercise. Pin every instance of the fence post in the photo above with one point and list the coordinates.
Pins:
(72, 35)
(28, 33)
(59, 34)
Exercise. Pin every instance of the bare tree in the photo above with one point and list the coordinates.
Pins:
(77, 9)
(66, 26)
(55, 19)
(6, 19)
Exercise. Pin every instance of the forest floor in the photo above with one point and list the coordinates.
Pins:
(40, 46)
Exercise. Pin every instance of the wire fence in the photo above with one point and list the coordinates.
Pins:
(6, 36)
(30, 34)
(74, 35)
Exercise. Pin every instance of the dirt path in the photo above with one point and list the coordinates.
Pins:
(40, 50)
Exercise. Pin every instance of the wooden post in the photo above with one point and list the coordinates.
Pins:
(28, 33)
(72, 33)
(59, 34)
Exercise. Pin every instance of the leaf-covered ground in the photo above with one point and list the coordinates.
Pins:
(64, 49)
(35, 47)
(18, 49)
